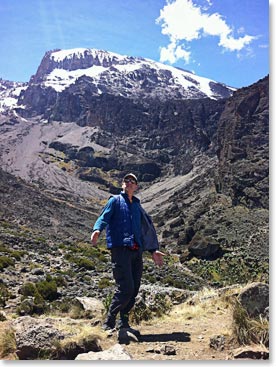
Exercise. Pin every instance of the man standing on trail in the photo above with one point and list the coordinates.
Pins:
(129, 232)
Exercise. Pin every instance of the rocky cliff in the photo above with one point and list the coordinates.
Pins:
(243, 146)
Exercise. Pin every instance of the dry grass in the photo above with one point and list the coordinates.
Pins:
(71, 326)
(207, 301)
(7, 341)
(80, 335)
(249, 330)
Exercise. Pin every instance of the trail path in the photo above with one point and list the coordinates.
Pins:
(189, 337)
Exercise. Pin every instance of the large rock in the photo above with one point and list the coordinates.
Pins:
(115, 353)
(35, 337)
(93, 305)
(204, 248)
(255, 299)
(38, 338)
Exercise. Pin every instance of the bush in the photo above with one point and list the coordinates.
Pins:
(28, 290)
(249, 330)
(5, 261)
(104, 283)
(4, 294)
(82, 262)
(47, 289)
(35, 295)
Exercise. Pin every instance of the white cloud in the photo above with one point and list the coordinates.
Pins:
(172, 53)
(183, 21)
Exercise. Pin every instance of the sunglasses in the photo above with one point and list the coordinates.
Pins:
(127, 180)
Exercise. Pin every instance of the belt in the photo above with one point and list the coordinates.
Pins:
(134, 247)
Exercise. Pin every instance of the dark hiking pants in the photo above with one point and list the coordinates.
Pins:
(127, 267)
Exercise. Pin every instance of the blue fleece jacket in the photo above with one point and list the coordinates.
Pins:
(122, 221)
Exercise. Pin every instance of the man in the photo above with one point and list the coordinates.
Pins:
(129, 232)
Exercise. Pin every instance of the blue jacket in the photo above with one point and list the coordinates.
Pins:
(126, 223)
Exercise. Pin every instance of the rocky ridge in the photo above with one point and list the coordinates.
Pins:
(123, 75)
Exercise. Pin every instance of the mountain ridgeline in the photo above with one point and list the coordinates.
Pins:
(199, 148)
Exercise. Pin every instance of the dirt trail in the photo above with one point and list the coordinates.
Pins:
(190, 337)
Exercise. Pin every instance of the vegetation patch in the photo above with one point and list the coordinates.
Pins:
(5, 261)
(35, 296)
(7, 342)
(249, 330)
(231, 269)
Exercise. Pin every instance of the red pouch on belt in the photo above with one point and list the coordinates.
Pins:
(134, 247)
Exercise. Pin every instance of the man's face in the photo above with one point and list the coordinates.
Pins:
(129, 185)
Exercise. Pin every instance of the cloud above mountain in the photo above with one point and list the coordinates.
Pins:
(183, 22)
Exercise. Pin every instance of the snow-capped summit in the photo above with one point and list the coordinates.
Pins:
(9, 93)
(126, 76)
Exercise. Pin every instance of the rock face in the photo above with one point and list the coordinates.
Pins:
(243, 151)
(67, 82)
(9, 93)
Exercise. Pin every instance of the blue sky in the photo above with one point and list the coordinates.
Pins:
(224, 40)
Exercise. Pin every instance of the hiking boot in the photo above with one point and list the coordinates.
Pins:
(125, 336)
(109, 324)
(128, 328)
(123, 324)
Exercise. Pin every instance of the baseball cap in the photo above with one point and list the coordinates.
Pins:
(132, 175)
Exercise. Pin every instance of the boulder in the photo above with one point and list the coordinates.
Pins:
(34, 337)
(204, 248)
(115, 353)
(93, 305)
(254, 298)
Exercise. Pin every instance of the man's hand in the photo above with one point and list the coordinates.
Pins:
(94, 237)
(158, 257)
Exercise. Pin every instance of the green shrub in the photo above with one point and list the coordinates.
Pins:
(60, 281)
(17, 254)
(62, 306)
(140, 312)
(35, 295)
(107, 301)
(28, 290)
(4, 294)
(161, 306)
(47, 289)
(82, 262)
(40, 305)
(104, 283)
(5, 261)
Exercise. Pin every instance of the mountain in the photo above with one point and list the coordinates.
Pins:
(202, 165)
(88, 73)
(9, 93)
(202, 160)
